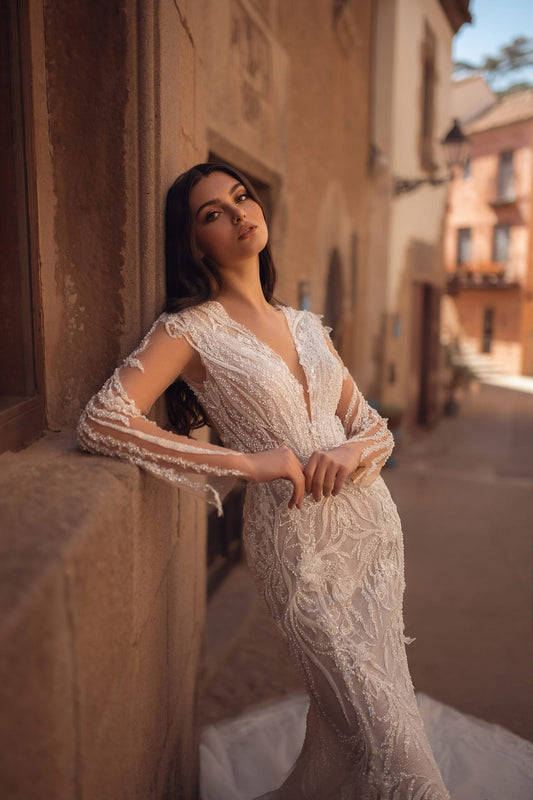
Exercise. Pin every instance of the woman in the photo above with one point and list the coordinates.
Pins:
(322, 534)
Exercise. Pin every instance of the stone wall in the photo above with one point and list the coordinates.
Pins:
(102, 605)
(102, 569)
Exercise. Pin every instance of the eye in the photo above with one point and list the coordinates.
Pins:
(242, 196)
(211, 216)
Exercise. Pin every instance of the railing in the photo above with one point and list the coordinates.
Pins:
(486, 274)
(505, 199)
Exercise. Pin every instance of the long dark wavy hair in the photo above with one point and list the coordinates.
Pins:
(191, 280)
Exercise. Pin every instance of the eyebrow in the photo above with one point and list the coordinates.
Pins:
(216, 200)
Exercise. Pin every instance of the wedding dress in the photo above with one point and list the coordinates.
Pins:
(331, 573)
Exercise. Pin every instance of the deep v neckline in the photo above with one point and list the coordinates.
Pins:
(274, 353)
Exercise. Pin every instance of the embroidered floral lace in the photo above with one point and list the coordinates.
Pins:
(332, 573)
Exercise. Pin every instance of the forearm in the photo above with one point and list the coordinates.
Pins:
(368, 436)
(145, 437)
(111, 425)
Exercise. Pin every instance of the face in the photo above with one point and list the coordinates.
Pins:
(228, 225)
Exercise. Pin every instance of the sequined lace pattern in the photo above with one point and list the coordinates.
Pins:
(331, 574)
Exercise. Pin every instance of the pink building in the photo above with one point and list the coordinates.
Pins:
(488, 240)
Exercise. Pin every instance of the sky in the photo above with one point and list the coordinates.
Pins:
(495, 23)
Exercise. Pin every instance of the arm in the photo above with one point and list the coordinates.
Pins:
(114, 424)
(368, 446)
(365, 429)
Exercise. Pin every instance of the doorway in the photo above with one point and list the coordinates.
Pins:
(425, 353)
(488, 330)
(334, 298)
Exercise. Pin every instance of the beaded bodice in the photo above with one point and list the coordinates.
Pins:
(250, 394)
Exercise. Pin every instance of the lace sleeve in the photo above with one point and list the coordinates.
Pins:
(113, 422)
(362, 423)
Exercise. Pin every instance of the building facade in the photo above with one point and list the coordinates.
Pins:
(411, 113)
(324, 104)
(489, 245)
(104, 568)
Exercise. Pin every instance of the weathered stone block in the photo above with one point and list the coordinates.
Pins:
(149, 719)
(99, 581)
(38, 745)
(154, 537)
(107, 772)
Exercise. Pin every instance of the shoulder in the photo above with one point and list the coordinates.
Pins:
(186, 322)
(306, 319)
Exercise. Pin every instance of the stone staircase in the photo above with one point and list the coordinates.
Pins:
(488, 369)
(483, 365)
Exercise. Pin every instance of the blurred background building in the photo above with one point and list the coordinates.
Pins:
(410, 115)
(489, 242)
(335, 108)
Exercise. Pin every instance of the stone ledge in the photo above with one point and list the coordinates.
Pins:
(102, 586)
(49, 494)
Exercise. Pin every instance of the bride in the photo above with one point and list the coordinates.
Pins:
(322, 534)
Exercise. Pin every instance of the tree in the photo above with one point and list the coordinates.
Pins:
(511, 57)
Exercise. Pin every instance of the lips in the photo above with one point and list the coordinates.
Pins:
(247, 230)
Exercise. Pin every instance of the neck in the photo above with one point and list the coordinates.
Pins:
(243, 288)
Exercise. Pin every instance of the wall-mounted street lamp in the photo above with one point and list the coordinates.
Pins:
(456, 149)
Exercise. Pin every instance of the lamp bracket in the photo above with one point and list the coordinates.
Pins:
(406, 185)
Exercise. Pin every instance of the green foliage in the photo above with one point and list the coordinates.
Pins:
(511, 57)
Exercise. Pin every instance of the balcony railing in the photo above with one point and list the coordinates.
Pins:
(485, 274)
(507, 198)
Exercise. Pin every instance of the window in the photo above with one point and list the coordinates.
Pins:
(505, 175)
(467, 169)
(21, 384)
(304, 295)
(427, 100)
(464, 248)
(500, 243)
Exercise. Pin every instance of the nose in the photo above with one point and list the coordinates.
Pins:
(238, 215)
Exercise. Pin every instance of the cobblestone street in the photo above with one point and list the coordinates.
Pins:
(465, 496)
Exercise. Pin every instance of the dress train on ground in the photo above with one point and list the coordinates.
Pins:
(245, 757)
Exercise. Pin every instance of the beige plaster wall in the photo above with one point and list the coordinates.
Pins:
(328, 141)
(418, 214)
(414, 221)
(471, 97)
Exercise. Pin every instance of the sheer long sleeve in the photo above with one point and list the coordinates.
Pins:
(363, 424)
(113, 422)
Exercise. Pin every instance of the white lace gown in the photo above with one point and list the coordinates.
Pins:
(332, 574)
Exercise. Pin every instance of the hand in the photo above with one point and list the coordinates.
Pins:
(279, 463)
(327, 470)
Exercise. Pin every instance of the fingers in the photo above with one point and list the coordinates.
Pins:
(298, 492)
(298, 482)
(324, 475)
(340, 480)
(309, 472)
(315, 475)
(296, 476)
